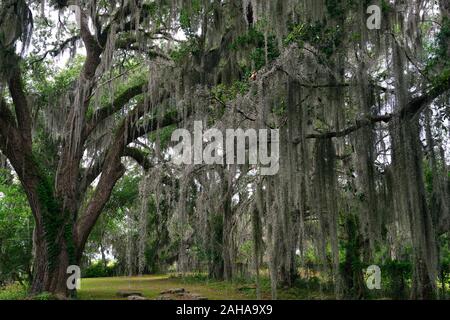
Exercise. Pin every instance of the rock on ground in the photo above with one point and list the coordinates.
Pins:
(137, 298)
(180, 294)
(126, 294)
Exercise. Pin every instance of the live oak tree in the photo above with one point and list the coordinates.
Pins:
(56, 189)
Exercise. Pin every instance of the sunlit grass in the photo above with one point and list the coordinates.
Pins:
(152, 286)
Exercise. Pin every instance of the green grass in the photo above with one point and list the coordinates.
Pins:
(152, 286)
(20, 292)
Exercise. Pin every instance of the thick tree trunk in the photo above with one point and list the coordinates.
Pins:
(50, 273)
(352, 270)
(423, 286)
(51, 260)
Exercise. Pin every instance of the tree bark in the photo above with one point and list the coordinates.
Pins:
(352, 269)
(50, 276)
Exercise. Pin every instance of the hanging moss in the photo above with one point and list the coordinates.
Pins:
(325, 192)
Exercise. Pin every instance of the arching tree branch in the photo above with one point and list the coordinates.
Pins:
(114, 107)
(414, 107)
(140, 157)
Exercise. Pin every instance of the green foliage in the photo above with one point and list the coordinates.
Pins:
(13, 292)
(164, 135)
(395, 277)
(444, 275)
(99, 270)
(386, 6)
(254, 41)
(16, 226)
(443, 38)
(442, 79)
(49, 83)
(226, 93)
(109, 226)
(188, 14)
(184, 50)
(335, 8)
(124, 194)
(136, 79)
(439, 60)
(325, 39)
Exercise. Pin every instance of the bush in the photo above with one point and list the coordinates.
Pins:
(98, 270)
(14, 292)
(397, 275)
(16, 227)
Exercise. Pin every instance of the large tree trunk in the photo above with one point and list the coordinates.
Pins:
(50, 273)
(54, 245)
(60, 236)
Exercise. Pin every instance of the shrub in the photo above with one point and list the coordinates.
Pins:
(13, 292)
(99, 270)
(397, 275)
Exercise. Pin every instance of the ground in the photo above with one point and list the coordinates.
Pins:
(152, 286)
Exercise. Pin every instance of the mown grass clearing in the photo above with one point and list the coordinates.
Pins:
(152, 286)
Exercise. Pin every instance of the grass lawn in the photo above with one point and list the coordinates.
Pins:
(151, 286)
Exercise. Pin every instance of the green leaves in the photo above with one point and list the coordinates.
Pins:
(255, 42)
(184, 50)
(325, 39)
(227, 93)
(16, 226)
